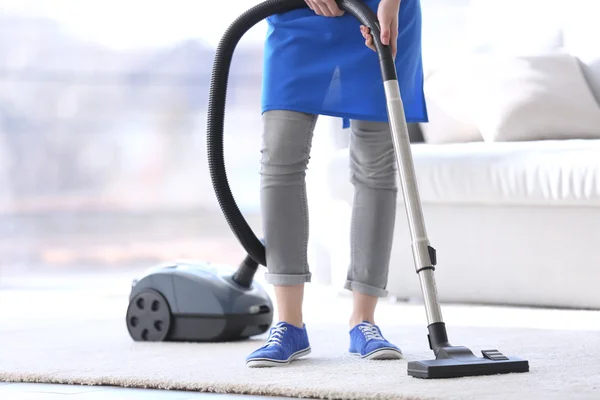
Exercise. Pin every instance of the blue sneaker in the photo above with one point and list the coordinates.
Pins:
(285, 344)
(367, 341)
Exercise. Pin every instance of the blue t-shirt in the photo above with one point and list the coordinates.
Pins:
(321, 65)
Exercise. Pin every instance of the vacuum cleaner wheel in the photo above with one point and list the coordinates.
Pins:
(148, 317)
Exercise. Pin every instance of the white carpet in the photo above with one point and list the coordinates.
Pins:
(79, 336)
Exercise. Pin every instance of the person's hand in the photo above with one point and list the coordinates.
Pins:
(326, 8)
(387, 14)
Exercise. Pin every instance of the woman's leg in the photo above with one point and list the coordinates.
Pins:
(286, 144)
(373, 174)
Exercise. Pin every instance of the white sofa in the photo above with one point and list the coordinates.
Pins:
(514, 220)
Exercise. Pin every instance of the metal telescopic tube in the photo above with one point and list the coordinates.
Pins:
(412, 202)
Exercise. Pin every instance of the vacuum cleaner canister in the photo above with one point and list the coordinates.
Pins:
(198, 302)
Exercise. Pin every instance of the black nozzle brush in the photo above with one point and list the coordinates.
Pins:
(458, 361)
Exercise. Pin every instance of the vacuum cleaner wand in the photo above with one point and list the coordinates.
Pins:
(451, 361)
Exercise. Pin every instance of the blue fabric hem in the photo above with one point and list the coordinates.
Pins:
(346, 117)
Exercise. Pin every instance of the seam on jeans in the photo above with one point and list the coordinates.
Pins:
(352, 235)
(307, 142)
(352, 178)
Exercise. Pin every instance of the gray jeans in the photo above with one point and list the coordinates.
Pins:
(286, 145)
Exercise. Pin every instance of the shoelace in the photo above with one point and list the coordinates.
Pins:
(275, 336)
(370, 332)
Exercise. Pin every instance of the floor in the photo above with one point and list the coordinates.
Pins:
(36, 391)
(56, 269)
(57, 288)
(55, 266)
(55, 284)
(92, 253)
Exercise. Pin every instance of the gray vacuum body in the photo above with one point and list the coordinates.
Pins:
(196, 302)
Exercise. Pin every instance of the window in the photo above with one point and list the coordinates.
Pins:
(103, 119)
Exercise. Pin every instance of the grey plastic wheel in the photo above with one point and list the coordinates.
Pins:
(148, 317)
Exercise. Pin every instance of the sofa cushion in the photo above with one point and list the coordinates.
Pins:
(524, 27)
(580, 37)
(510, 97)
(449, 109)
(552, 173)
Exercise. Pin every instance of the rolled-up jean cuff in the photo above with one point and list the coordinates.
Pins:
(365, 289)
(287, 279)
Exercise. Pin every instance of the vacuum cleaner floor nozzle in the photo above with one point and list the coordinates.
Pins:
(456, 362)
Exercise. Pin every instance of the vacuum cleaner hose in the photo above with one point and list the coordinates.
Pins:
(217, 100)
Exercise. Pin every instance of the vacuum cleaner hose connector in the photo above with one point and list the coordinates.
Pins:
(218, 94)
(245, 272)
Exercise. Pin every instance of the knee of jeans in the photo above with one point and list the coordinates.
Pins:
(372, 157)
(285, 144)
(378, 172)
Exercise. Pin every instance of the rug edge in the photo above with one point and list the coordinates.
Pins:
(258, 390)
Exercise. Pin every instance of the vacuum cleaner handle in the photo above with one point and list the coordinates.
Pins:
(217, 100)
(367, 17)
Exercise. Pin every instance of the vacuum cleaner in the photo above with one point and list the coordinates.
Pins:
(198, 302)
(209, 303)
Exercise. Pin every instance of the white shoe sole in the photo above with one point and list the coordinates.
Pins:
(385, 353)
(265, 362)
